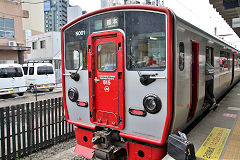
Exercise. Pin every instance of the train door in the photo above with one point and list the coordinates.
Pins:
(209, 60)
(233, 66)
(194, 79)
(106, 79)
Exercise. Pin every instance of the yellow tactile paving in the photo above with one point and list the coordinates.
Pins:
(213, 146)
(233, 148)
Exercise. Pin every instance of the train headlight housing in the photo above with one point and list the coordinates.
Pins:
(152, 103)
(73, 94)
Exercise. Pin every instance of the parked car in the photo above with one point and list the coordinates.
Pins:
(12, 79)
(39, 76)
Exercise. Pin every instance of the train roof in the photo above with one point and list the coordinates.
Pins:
(212, 37)
(151, 8)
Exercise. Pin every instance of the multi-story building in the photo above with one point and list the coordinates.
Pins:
(55, 14)
(12, 44)
(73, 12)
(46, 47)
(35, 23)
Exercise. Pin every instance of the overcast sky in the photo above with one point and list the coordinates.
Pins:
(200, 13)
(88, 5)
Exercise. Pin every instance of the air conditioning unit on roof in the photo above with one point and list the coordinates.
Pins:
(12, 43)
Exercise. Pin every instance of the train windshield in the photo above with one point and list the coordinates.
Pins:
(145, 39)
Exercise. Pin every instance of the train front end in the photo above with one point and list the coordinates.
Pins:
(117, 81)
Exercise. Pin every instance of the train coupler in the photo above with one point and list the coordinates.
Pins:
(104, 153)
(107, 144)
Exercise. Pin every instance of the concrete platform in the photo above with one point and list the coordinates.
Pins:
(217, 135)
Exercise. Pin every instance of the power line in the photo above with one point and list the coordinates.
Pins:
(33, 2)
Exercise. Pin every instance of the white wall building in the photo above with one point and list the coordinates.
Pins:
(46, 46)
(35, 23)
(73, 12)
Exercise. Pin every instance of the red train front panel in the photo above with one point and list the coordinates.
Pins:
(117, 81)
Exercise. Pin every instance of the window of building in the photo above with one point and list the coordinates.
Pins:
(6, 28)
(43, 44)
(34, 45)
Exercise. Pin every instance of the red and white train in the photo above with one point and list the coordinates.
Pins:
(134, 74)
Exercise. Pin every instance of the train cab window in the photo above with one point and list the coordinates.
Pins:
(181, 56)
(76, 46)
(106, 54)
(146, 43)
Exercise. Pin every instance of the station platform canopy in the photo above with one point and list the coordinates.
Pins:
(230, 12)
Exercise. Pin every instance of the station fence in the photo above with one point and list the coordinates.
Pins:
(29, 127)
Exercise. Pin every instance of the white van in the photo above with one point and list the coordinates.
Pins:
(12, 79)
(39, 76)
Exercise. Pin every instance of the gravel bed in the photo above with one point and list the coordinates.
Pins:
(53, 150)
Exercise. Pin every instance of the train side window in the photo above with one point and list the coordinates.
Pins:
(237, 61)
(181, 56)
(224, 61)
(229, 61)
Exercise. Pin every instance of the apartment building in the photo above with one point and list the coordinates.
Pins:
(55, 14)
(46, 47)
(12, 46)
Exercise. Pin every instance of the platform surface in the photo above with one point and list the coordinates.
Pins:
(217, 135)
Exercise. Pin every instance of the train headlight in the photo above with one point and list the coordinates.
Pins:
(152, 103)
(73, 94)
